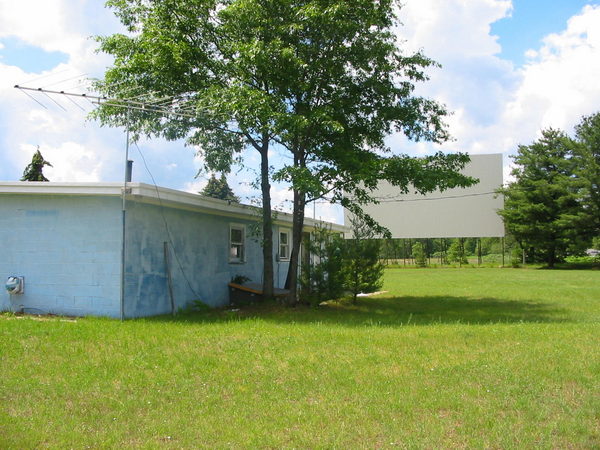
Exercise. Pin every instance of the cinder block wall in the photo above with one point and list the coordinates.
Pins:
(199, 259)
(68, 248)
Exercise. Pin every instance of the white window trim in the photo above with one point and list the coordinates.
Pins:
(242, 228)
(288, 232)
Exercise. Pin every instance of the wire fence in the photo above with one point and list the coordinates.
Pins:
(497, 251)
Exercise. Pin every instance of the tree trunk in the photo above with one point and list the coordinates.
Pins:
(291, 281)
(551, 257)
(267, 243)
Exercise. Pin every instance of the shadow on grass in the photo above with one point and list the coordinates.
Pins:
(388, 311)
(574, 266)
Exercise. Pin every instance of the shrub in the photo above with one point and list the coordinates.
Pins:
(323, 279)
(516, 257)
(418, 252)
(456, 253)
(362, 271)
(342, 266)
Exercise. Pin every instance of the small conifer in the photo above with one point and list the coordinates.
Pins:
(34, 170)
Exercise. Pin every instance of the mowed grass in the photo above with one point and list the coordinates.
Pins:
(499, 358)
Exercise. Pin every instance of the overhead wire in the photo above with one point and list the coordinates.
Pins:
(398, 199)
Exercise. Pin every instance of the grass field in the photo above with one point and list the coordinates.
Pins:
(498, 358)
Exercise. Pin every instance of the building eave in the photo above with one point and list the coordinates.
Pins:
(150, 194)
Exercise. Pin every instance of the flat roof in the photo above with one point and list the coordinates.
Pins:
(156, 195)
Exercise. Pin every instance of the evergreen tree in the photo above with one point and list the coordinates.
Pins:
(363, 272)
(587, 158)
(219, 188)
(324, 278)
(34, 170)
(541, 207)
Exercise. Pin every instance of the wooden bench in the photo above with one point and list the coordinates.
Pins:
(243, 294)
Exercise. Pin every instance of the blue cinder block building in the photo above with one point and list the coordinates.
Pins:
(79, 254)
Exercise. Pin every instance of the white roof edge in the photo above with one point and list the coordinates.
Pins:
(59, 188)
(147, 193)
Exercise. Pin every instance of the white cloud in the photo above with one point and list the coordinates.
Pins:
(560, 84)
(195, 186)
(451, 29)
(78, 149)
(496, 106)
(71, 161)
(29, 21)
(59, 25)
(473, 82)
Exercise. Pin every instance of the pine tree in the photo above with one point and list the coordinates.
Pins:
(362, 270)
(542, 208)
(587, 157)
(34, 170)
(219, 188)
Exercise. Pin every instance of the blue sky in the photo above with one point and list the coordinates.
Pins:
(529, 22)
(509, 69)
(28, 57)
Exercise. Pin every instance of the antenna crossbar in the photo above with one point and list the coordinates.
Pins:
(115, 102)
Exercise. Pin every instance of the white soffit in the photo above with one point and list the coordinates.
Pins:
(468, 212)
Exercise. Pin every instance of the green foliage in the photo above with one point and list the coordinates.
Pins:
(219, 188)
(553, 207)
(363, 273)
(193, 307)
(34, 170)
(491, 246)
(583, 260)
(418, 252)
(323, 279)
(342, 266)
(542, 208)
(587, 159)
(325, 80)
(516, 257)
(456, 253)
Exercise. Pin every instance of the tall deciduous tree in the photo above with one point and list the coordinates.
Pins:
(211, 64)
(34, 170)
(542, 207)
(323, 79)
(348, 85)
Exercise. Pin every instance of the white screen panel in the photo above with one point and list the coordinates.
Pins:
(468, 212)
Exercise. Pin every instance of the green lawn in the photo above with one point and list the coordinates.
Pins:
(499, 358)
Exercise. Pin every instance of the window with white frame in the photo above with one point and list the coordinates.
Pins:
(284, 245)
(237, 243)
